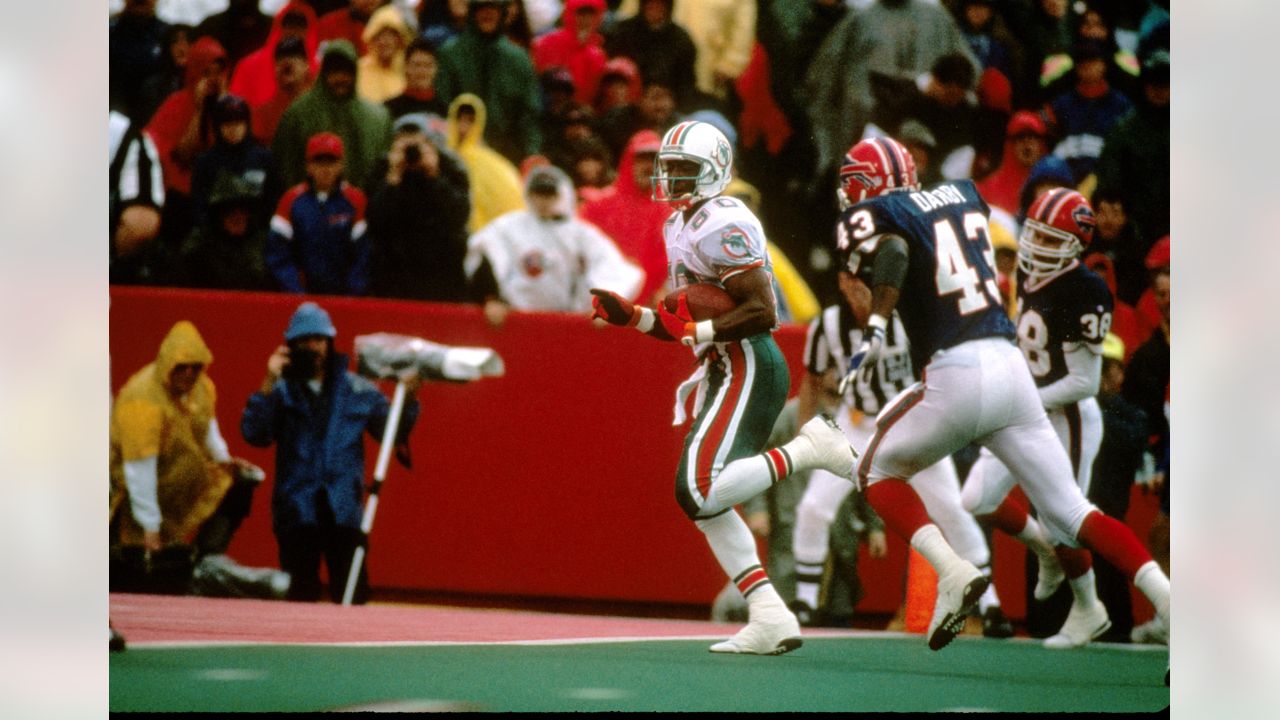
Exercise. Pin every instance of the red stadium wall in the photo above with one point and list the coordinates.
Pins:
(555, 480)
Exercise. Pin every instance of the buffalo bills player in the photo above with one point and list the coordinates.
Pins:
(833, 336)
(1064, 312)
(928, 255)
(741, 381)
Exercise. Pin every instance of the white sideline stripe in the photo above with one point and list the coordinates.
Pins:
(845, 634)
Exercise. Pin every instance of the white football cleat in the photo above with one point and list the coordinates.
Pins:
(828, 448)
(1050, 576)
(1084, 623)
(772, 631)
(959, 590)
(1152, 632)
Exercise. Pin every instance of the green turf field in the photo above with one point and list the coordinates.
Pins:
(867, 674)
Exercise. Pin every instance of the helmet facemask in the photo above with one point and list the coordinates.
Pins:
(1044, 250)
(676, 181)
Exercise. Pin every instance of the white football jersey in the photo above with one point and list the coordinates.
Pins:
(722, 239)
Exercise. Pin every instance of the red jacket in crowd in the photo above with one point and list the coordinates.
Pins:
(170, 122)
(255, 76)
(341, 24)
(627, 213)
(584, 60)
(1003, 187)
(761, 117)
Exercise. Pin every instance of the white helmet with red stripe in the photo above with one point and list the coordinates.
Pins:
(694, 163)
(1058, 228)
(873, 167)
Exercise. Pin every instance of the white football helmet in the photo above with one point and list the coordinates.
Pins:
(696, 142)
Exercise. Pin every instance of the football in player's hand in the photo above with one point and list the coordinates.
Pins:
(705, 301)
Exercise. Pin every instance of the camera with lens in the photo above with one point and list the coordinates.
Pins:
(302, 363)
(413, 155)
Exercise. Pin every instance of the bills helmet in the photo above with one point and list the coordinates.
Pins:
(699, 145)
(873, 167)
(1058, 228)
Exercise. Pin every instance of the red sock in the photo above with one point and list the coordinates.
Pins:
(899, 506)
(1075, 561)
(1114, 541)
(1011, 516)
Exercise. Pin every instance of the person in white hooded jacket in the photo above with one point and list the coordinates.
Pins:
(544, 258)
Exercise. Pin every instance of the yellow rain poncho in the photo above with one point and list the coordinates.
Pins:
(495, 183)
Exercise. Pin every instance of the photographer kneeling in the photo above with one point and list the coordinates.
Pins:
(418, 217)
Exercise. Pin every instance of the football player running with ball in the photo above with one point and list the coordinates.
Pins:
(1064, 312)
(927, 254)
(742, 380)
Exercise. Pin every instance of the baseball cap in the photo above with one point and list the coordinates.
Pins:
(325, 143)
(1024, 122)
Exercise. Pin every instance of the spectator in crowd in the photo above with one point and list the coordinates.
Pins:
(628, 214)
(1117, 236)
(545, 258)
(381, 69)
(1049, 172)
(576, 47)
(1023, 148)
(898, 38)
(565, 134)
(1135, 158)
(1124, 438)
(1089, 23)
(1045, 32)
(923, 147)
(317, 412)
(723, 31)
(995, 107)
(941, 101)
(421, 63)
(348, 23)
(235, 152)
(176, 492)
(331, 106)
(590, 166)
(439, 21)
(136, 42)
(227, 251)
(483, 62)
(168, 79)
(293, 77)
(619, 85)
(1157, 261)
(256, 76)
(181, 130)
(519, 30)
(137, 196)
(418, 218)
(494, 182)
(989, 38)
(240, 29)
(318, 243)
(1082, 116)
(658, 46)
(656, 111)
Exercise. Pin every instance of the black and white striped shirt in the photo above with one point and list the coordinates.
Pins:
(834, 335)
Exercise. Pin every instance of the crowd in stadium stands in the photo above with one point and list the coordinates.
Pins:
(389, 149)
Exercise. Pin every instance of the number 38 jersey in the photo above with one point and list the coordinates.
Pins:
(1073, 306)
(720, 239)
(950, 294)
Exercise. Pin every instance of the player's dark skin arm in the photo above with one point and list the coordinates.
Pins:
(755, 313)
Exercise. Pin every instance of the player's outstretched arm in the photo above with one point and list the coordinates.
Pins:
(752, 293)
(617, 310)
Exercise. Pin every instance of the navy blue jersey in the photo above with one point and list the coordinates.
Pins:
(950, 294)
(1073, 307)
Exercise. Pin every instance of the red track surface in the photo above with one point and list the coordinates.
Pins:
(159, 618)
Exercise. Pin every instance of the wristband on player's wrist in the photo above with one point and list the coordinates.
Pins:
(877, 322)
(643, 319)
(703, 332)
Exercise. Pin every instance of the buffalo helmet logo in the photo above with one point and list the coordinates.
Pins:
(1083, 216)
(861, 170)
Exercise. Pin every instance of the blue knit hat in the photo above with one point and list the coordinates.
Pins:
(309, 319)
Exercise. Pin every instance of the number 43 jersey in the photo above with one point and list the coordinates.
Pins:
(1073, 306)
(950, 294)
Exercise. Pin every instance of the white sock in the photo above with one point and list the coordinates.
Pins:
(1153, 583)
(928, 541)
(807, 590)
(735, 548)
(737, 483)
(1085, 589)
(989, 598)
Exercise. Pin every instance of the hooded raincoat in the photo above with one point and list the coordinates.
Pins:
(255, 76)
(165, 451)
(495, 182)
(365, 129)
(374, 82)
(584, 59)
(170, 122)
(550, 264)
(627, 213)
